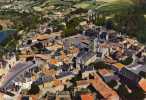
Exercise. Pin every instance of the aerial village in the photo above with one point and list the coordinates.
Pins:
(97, 63)
(85, 66)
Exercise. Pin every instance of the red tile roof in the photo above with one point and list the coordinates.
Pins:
(142, 84)
(41, 36)
(104, 72)
(83, 82)
(53, 61)
(87, 97)
(104, 89)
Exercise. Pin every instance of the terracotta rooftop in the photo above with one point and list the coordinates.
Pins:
(41, 37)
(74, 50)
(104, 72)
(56, 83)
(49, 72)
(34, 77)
(53, 61)
(42, 56)
(87, 97)
(104, 89)
(63, 56)
(142, 84)
(54, 47)
(83, 82)
(34, 97)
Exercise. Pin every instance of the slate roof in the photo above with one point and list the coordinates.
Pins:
(88, 68)
(64, 74)
(43, 79)
(137, 68)
(129, 75)
(75, 40)
(91, 33)
(85, 56)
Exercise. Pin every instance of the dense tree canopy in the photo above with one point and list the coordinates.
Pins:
(127, 13)
(34, 89)
(71, 26)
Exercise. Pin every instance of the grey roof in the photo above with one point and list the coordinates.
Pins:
(88, 68)
(91, 33)
(82, 45)
(44, 79)
(137, 68)
(64, 74)
(75, 40)
(130, 52)
(129, 74)
(81, 53)
(85, 56)
(109, 78)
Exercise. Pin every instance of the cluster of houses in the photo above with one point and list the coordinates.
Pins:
(67, 68)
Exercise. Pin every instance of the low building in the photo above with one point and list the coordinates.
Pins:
(44, 81)
(106, 92)
(41, 37)
(65, 95)
(129, 78)
(64, 76)
(107, 75)
(78, 40)
(86, 71)
(11, 61)
(137, 68)
(3, 64)
(86, 58)
(82, 84)
(57, 85)
(55, 62)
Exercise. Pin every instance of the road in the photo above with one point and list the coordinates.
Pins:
(19, 68)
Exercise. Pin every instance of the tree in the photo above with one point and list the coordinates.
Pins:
(1, 27)
(100, 65)
(76, 78)
(112, 83)
(127, 13)
(127, 61)
(71, 26)
(123, 92)
(34, 89)
(137, 94)
(143, 74)
(29, 42)
(100, 20)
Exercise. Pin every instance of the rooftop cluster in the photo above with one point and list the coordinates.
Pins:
(95, 64)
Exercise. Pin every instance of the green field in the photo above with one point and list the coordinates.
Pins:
(86, 5)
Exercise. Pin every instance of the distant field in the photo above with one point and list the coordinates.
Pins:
(85, 5)
(106, 0)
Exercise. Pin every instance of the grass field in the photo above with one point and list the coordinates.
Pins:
(86, 5)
